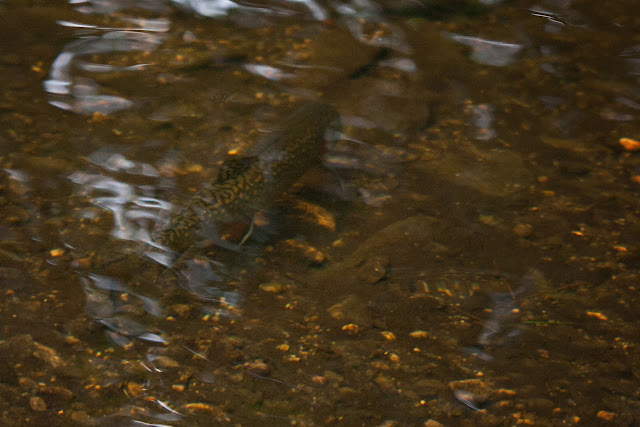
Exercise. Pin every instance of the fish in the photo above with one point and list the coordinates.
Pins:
(248, 183)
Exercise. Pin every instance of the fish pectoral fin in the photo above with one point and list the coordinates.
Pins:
(248, 234)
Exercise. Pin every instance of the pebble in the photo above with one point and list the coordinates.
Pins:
(37, 404)
(304, 251)
(606, 415)
(59, 392)
(373, 270)
(523, 230)
(273, 287)
(353, 310)
(258, 367)
(385, 384)
(317, 214)
(165, 362)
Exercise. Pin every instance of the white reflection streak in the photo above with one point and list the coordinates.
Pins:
(357, 12)
(208, 7)
(149, 202)
(118, 163)
(268, 72)
(152, 25)
(128, 223)
(59, 79)
(166, 406)
(110, 6)
(403, 64)
(61, 83)
(105, 68)
(487, 52)
(216, 8)
(547, 15)
(483, 119)
(122, 194)
(17, 175)
(318, 13)
(142, 423)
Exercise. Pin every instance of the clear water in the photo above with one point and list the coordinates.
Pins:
(467, 257)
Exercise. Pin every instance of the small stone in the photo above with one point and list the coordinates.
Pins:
(273, 287)
(59, 392)
(70, 339)
(351, 328)
(606, 415)
(319, 379)
(523, 230)
(56, 252)
(80, 417)
(385, 384)
(345, 394)
(27, 383)
(630, 144)
(304, 251)
(373, 270)
(419, 334)
(48, 355)
(352, 309)
(258, 367)
(317, 215)
(388, 335)
(37, 404)
(333, 377)
(292, 358)
(198, 407)
(165, 362)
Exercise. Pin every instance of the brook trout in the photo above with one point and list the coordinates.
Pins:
(246, 184)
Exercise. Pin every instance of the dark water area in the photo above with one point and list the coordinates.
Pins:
(459, 248)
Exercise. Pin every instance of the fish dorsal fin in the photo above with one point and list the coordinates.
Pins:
(234, 166)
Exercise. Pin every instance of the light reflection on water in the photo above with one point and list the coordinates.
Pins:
(81, 95)
(136, 211)
(132, 213)
(488, 52)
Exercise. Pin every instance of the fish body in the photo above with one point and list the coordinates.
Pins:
(246, 184)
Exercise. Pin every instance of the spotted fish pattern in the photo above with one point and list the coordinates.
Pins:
(247, 183)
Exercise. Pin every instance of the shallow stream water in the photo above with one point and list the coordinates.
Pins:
(467, 254)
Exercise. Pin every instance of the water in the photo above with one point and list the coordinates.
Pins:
(467, 257)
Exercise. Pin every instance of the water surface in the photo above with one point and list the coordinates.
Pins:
(467, 255)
